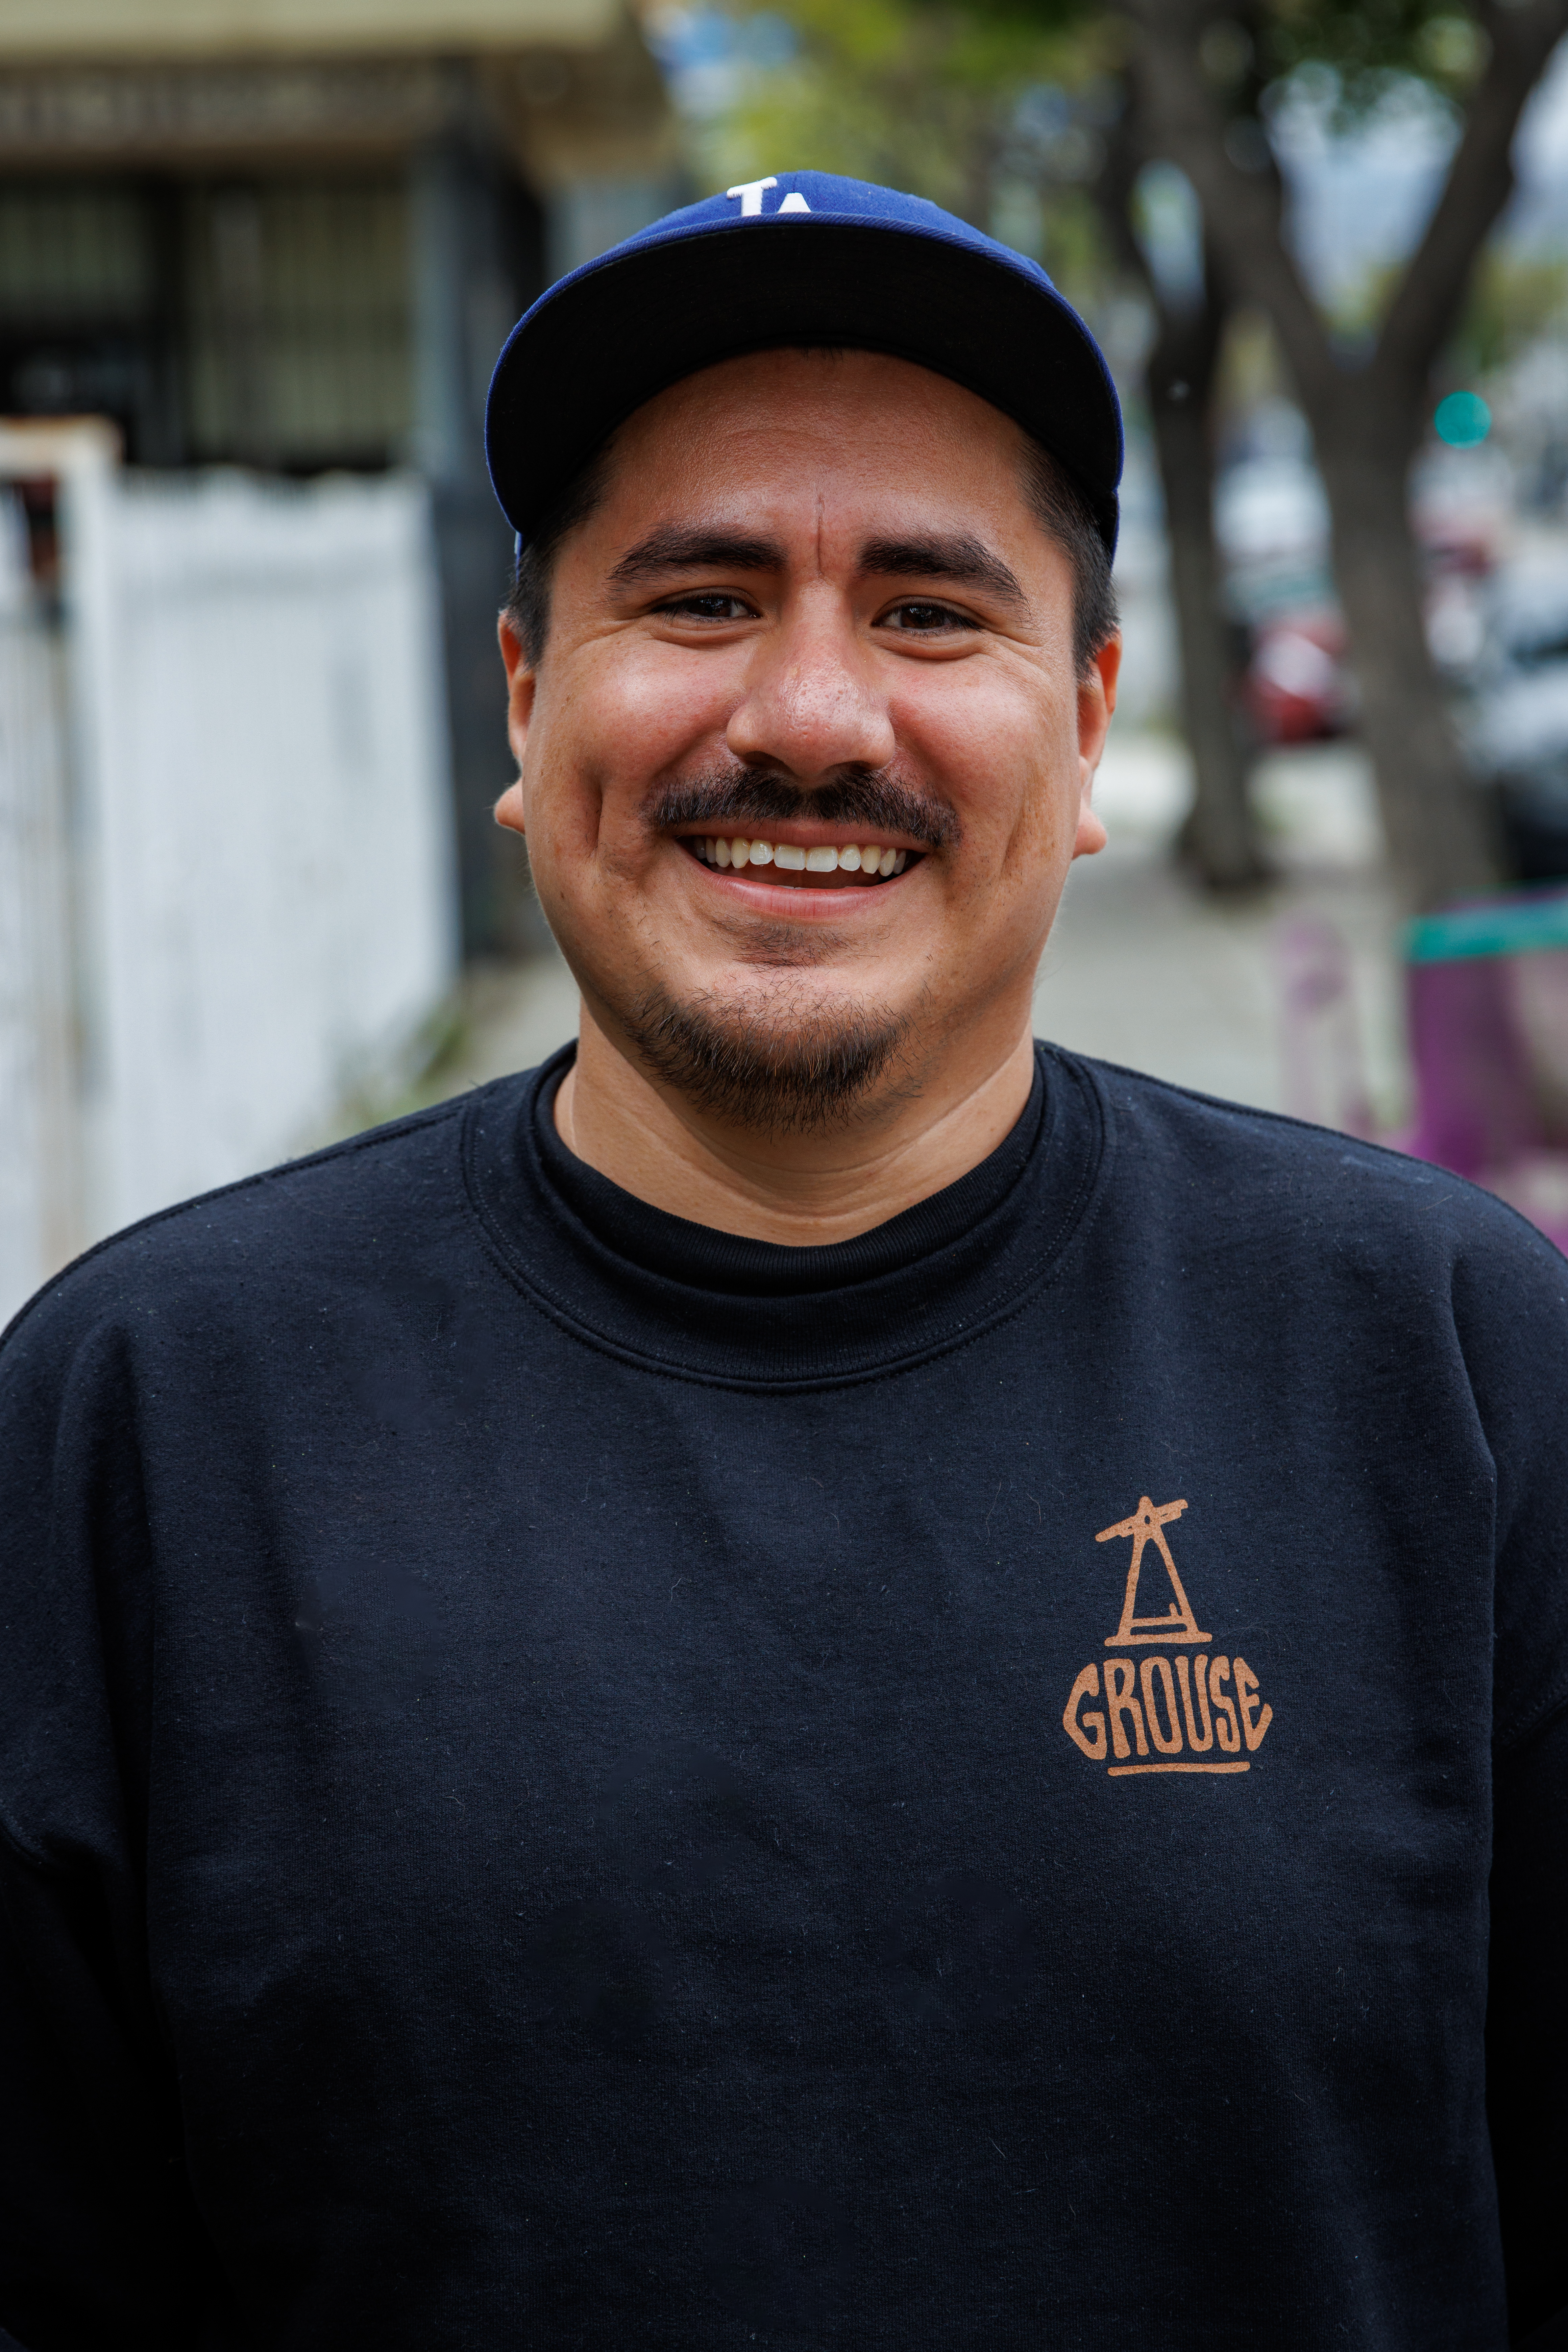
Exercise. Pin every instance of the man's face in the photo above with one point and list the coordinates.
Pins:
(813, 610)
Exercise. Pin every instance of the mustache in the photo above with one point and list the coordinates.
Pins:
(863, 796)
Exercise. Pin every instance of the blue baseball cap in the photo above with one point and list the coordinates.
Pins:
(799, 258)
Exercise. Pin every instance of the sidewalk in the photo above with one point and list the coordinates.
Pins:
(1143, 969)
(1140, 968)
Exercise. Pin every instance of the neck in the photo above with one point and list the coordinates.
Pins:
(802, 1191)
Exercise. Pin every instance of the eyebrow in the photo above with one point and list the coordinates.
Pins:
(698, 550)
(957, 557)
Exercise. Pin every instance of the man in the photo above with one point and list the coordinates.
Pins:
(816, 1677)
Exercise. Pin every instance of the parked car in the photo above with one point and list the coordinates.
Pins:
(1516, 726)
(1271, 519)
(1296, 688)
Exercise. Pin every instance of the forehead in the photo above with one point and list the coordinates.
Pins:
(798, 424)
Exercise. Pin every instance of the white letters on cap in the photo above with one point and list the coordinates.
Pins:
(794, 203)
(750, 194)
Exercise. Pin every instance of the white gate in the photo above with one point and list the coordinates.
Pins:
(40, 1170)
(259, 871)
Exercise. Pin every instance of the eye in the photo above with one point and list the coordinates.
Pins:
(707, 604)
(917, 617)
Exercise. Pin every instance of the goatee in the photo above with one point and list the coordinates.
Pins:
(787, 1070)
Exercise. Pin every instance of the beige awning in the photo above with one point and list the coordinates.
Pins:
(109, 31)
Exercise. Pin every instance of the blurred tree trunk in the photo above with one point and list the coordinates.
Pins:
(1218, 838)
(1367, 423)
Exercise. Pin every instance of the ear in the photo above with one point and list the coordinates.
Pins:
(521, 684)
(1096, 701)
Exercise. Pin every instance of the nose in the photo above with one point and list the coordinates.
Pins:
(812, 701)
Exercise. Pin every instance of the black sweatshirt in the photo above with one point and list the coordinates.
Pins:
(571, 1781)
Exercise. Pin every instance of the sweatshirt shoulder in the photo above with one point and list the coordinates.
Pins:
(356, 1203)
(1261, 1170)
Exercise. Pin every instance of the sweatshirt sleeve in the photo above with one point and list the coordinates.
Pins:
(100, 2241)
(1511, 1311)
(1527, 2025)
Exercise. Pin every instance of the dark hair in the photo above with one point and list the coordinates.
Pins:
(526, 605)
(1065, 515)
(1060, 506)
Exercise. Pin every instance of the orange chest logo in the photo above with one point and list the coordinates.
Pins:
(1143, 1726)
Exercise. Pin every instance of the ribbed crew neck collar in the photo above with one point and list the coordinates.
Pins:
(721, 1307)
(737, 1267)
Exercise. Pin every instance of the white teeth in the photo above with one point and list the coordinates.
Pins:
(863, 858)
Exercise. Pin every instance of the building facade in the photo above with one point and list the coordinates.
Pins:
(290, 235)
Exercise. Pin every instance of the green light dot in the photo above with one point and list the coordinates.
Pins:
(1462, 420)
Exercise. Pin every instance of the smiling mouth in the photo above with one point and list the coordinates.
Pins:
(857, 865)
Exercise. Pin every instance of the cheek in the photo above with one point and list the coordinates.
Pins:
(622, 711)
(611, 718)
(1004, 750)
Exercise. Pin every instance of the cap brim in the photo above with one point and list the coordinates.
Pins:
(617, 332)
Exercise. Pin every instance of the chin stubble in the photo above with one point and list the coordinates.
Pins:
(785, 1071)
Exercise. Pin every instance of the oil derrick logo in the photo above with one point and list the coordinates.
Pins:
(1141, 1710)
(1148, 1525)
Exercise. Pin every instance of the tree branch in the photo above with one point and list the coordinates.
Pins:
(1480, 183)
(1112, 186)
(1242, 210)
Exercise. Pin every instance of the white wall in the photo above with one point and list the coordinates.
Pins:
(262, 868)
(39, 1169)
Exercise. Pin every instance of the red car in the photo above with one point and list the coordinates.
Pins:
(1296, 688)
